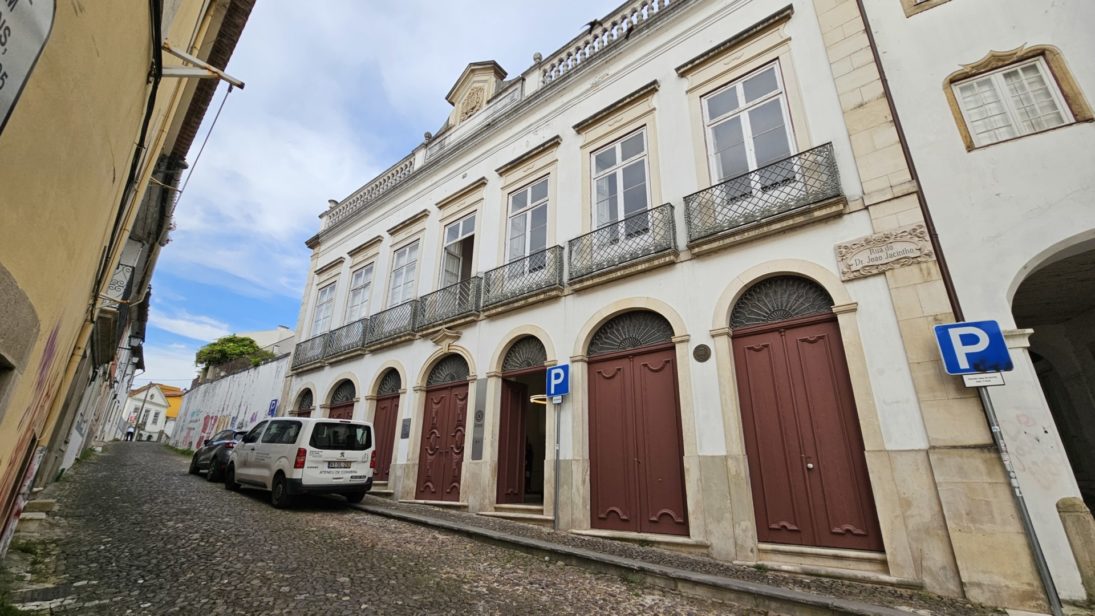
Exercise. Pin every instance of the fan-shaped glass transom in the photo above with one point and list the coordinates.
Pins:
(344, 393)
(528, 352)
(780, 299)
(629, 331)
(450, 369)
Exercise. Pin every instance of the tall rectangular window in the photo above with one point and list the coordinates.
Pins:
(404, 265)
(456, 255)
(325, 304)
(1009, 102)
(619, 180)
(527, 225)
(357, 306)
(747, 123)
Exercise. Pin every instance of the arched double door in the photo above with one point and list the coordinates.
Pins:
(636, 451)
(384, 420)
(802, 439)
(441, 456)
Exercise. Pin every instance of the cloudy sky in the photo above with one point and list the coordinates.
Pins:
(334, 95)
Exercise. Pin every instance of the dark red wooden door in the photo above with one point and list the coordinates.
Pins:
(635, 446)
(806, 462)
(384, 420)
(342, 411)
(442, 454)
(511, 443)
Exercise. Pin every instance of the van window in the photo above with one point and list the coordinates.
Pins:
(253, 435)
(348, 437)
(282, 432)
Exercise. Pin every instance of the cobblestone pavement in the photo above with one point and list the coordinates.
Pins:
(138, 535)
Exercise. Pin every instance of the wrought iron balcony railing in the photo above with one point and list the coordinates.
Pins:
(639, 235)
(390, 323)
(350, 337)
(310, 351)
(455, 300)
(516, 279)
(797, 181)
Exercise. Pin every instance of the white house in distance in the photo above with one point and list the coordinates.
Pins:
(146, 410)
(996, 107)
(278, 340)
(696, 205)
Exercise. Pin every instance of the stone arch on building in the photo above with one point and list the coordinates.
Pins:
(304, 403)
(636, 440)
(804, 449)
(599, 318)
(516, 334)
(818, 274)
(385, 399)
(440, 354)
(341, 399)
(384, 373)
(443, 431)
(1062, 345)
(522, 426)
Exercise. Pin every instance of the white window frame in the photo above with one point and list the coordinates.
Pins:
(617, 170)
(526, 214)
(321, 303)
(742, 111)
(357, 308)
(461, 235)
(996, 78)
(413, 265)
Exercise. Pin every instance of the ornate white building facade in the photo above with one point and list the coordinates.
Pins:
(704, 208)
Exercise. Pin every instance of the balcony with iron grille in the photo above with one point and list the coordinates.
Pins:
(309, 352)
(523, 280)
(347, 339)
(391, 325)
(616, 249)
(802, 187)
(449, 304)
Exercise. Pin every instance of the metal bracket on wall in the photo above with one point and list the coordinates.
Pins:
(199, 70)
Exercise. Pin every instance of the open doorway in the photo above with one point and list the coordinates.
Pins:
(1057, 301)
(522, 426)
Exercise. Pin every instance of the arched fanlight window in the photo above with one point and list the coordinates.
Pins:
(390, 383)
(344, 393)
(527, 352)
(779, 299)
(630, 330)
(450, 369)
(304, 401)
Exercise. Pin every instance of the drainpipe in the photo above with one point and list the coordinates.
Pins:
(986, 402)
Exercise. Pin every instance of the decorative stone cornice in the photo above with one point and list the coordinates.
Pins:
(366, 246)
(634, 97)
(774, 20)
(534, 152)
(417, 218)
(329, 266)
(444, 338)
(462, 194)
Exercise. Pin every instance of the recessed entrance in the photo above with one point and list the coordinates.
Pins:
(806, 463)
(522, 429)
(384, 420)
(636, 462)
(1058, 301)
(342, 401)
(441, 456)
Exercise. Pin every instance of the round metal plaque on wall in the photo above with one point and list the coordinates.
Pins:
(701, 353)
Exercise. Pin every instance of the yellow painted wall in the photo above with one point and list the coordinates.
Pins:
(65, 155)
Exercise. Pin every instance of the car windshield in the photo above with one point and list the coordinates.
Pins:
(349, 437)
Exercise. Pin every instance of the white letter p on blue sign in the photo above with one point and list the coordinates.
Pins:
(977, 346)
(558, 380)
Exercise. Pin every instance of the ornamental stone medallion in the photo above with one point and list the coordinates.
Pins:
(880, 252)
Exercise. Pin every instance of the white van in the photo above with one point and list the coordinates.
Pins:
(298, 455)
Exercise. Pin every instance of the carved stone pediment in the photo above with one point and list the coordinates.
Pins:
(444, 337)
(475, 86)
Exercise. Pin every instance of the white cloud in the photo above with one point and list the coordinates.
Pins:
(182, 323)
(168, 365)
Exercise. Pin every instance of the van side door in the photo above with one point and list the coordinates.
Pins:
(245, 453)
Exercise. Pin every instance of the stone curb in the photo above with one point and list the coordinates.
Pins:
(738, 592)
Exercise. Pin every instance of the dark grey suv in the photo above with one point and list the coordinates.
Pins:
(212, 457)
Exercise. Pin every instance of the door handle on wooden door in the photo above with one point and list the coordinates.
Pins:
(809, 464)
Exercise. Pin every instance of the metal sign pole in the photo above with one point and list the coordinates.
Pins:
(557, 408)
(1021, 503)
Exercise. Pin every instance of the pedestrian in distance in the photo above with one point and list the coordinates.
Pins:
(129, 433)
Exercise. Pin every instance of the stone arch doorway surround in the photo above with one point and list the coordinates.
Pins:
(342, 400)
(807, 467)
(304, 403)
(636, 448)
(522, 429)
(443, 429)
(385, 416)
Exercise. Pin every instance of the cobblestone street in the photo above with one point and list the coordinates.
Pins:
(138, 535)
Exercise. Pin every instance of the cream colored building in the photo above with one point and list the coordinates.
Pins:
(96, 119)
(705, 210)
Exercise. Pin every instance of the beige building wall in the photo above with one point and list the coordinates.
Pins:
(67, 149)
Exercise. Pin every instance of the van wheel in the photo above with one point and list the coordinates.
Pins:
(230, 479)
(213, 474)
(193, 465)
(279, 493)
(354, 497)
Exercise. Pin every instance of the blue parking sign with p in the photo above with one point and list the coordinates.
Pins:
(558, 380)
(971, 347)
